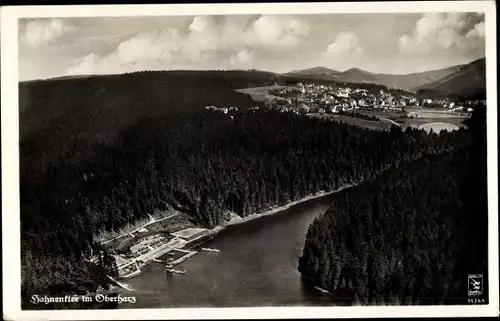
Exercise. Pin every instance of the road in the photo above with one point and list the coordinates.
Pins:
(147, 224)
(390, 120)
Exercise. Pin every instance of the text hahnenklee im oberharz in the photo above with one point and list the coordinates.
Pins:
(100, 298)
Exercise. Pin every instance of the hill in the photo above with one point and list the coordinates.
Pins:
(415, 80)
(429, 80)
(467, 82)
(315, 71)
(357, 75)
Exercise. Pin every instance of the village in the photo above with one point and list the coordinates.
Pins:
(315, 98)
(359, 105)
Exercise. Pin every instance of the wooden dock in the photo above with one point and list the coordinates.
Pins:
(170, 270)
(183, 258)
(120, 284)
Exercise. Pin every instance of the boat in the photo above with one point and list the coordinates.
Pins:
(170, 270)
(210, 250)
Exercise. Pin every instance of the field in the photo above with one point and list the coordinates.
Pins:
(261, 93)
(356, 121)
(418, 122)
(176, 223)
(434, 114)
(424, 117)
(190, 232)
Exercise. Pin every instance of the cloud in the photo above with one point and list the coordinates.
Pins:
(39, 31)
(345, 44)
(463, 32)
(276, 31)
(201, 23)
(241, 58)
(206, 40)
(152, 50)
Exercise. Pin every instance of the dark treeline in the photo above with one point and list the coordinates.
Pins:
(411, 236)
(467, 94)
(108, 151)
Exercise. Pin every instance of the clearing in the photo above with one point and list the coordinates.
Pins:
(261, 93)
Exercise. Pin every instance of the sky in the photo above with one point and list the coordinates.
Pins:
(383, 43)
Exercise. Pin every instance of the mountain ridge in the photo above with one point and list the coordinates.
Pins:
(412, 81)
(467, 81)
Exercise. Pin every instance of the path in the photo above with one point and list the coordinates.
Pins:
(390, 120)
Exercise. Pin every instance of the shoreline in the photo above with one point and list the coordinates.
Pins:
(271, 211)
(277, 209)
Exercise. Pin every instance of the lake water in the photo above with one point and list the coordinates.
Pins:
(256, 266)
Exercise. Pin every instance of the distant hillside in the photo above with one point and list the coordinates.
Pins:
(467, 82)
(413, 81)
(315, 71)
(357, 75)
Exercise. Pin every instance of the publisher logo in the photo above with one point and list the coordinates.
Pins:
(475, 284)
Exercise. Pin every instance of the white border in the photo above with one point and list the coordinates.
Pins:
(10, 158)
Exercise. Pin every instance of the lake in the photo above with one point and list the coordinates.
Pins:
(256, 266)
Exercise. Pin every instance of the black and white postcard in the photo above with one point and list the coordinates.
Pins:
(305, 160)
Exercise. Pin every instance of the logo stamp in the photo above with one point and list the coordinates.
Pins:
(475, 284)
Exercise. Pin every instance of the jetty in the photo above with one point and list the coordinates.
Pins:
(183, 258)
(170, 270)
(210, 249)
(120, 284)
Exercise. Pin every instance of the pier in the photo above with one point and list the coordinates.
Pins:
(183, 258)
(170, 270)
(120, 284)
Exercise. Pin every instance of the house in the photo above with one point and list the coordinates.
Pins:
(321, 111)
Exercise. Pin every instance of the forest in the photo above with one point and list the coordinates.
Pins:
(409, 236)
(97, 153)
